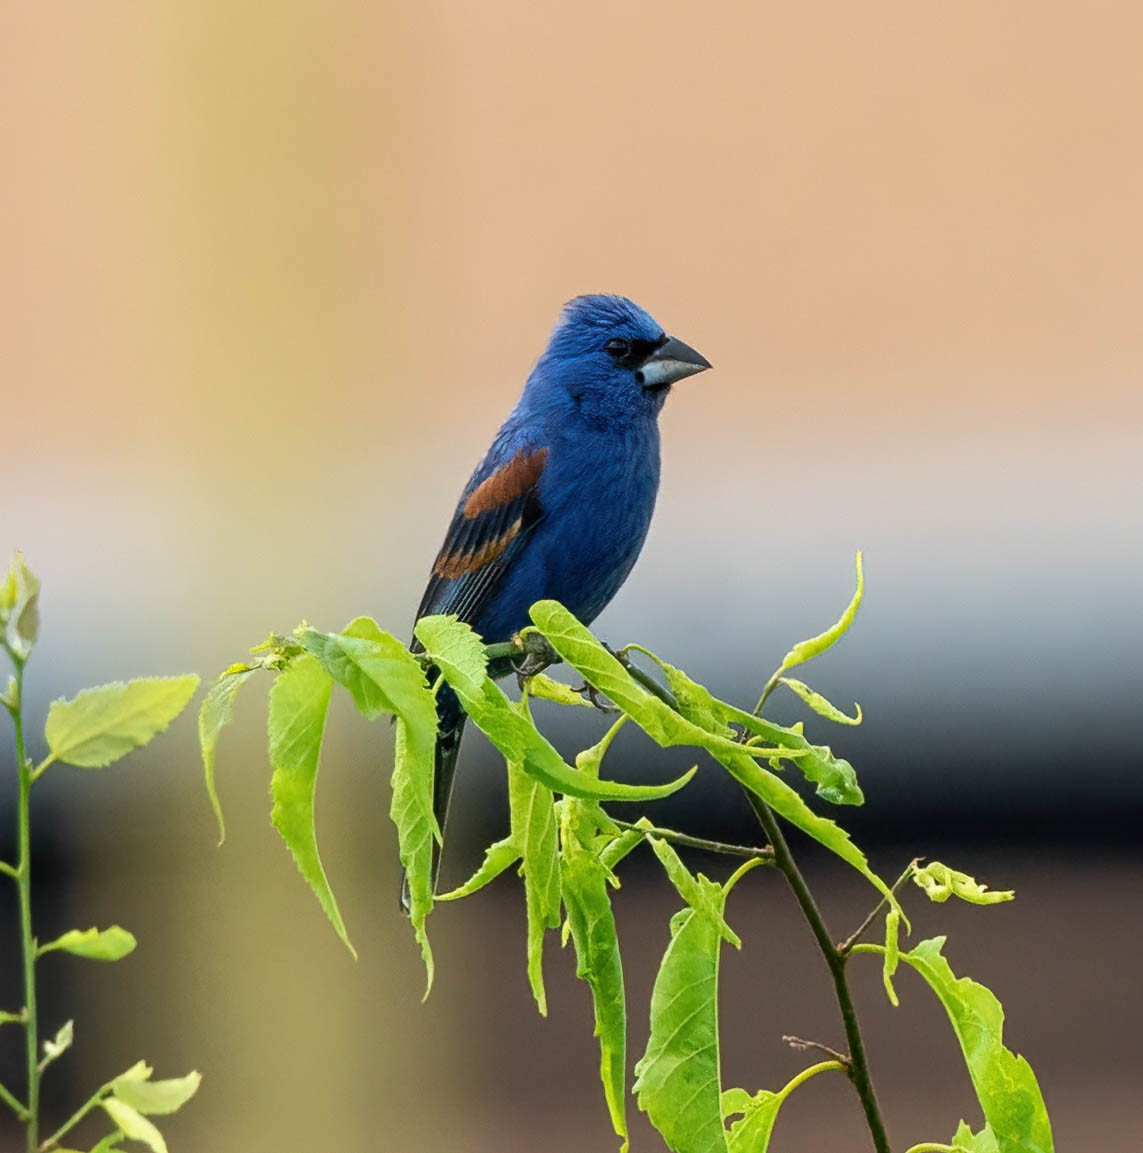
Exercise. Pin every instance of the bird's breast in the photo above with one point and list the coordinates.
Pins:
(598, 500)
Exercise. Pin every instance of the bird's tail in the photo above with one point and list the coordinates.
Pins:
(450, 728)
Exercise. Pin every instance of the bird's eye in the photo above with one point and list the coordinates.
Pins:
(618, 348)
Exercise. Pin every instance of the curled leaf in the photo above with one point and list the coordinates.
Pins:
(940, 882)
(819, 704)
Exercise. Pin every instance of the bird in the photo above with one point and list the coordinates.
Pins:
(560, 504)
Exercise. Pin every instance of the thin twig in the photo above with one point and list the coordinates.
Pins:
(799, 1043)
(76, 1118)
(846, 946)
(763, 854)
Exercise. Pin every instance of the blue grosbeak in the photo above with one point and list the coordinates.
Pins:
(560, 505)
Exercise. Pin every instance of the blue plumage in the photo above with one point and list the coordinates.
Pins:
(561, 503)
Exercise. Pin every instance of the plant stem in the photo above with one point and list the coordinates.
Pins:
(846, 947)
(858, 1067)
(13, 1103)
(76, 1117)
(27, 941)
(763, 854)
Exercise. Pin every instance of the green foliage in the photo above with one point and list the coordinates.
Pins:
(96, 728)
(299, 702)
(96, 944)
(567, 846)
(102, 725)
(1005, 1084)
(940, 882)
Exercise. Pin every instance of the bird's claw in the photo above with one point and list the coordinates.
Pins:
(594, 697)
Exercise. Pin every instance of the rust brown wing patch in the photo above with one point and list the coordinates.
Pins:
(506, 485)
(456, 564)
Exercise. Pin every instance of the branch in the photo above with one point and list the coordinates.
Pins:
(765, 854)
(857, 1064)
(13, 1103)
(76, 1118)
(846, 946)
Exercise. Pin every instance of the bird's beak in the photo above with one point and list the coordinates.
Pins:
(670, 362)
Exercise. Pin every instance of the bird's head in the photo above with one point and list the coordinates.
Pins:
(613, 358)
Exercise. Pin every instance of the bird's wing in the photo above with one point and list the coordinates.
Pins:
(499, 509)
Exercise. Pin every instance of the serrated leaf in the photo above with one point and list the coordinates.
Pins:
(592, 925)
(678, 1079)
(596, 665)
(533, 822)
(216, 712)
(835, 779)
(807, 650)
(940, 882)
(299, 701)
(96, 944)
(819, 704)
(497, 857)
(1004, 1082)
(134, 1125)
(512, 732)
(456, 650)
(100, 725)
(691, 889)
(156, 1097)
(383, 677)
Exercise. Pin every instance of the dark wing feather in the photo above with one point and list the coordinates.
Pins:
(490, 526)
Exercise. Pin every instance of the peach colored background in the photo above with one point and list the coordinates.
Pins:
(270, 276)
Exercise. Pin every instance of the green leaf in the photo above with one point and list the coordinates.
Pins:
(940, 882)
(109, 1144)
(19, 608)
(512, 732)
(892, 954)
(134, 1124)
(815, 646)
(299, 702)
(456, 650)
(1004, 1082)
(542, 687)
(533, 817)
(752, 1132)
(982, 1142)
(497, 857)
(154, 1097)
(819, 704)
(383, 677)
(111, 944)
(101, 725)
(690, 888)
(596, 665)
(584, 884)
(216, 712)
(835, 779)
(678, 1079)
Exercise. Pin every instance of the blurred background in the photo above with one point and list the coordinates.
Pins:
(271, 278)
